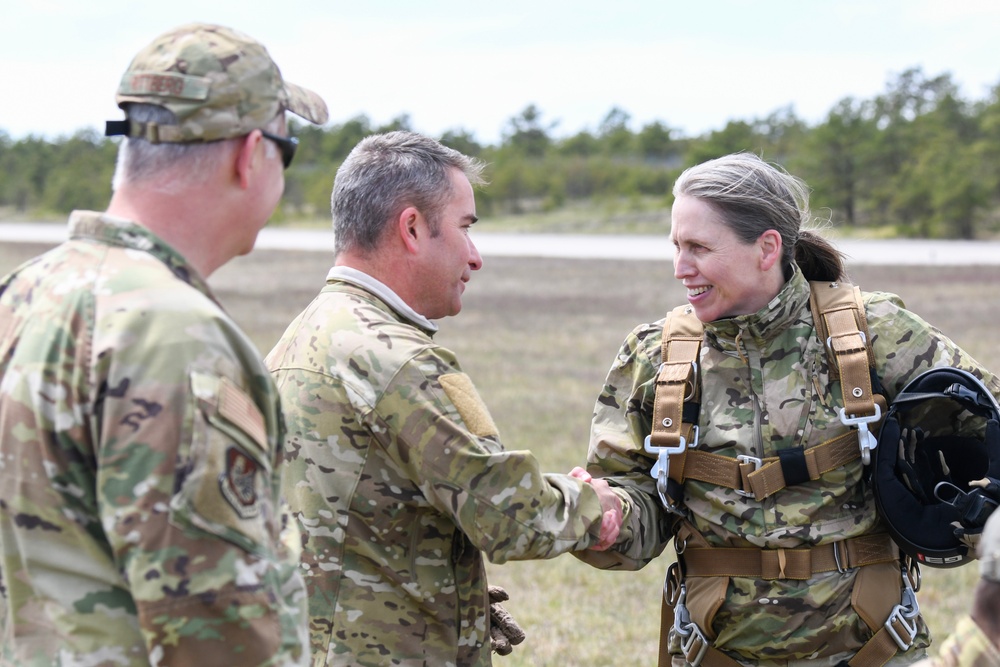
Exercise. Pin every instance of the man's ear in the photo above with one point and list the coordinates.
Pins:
(244, 159)
(411, 227)
(770, 249)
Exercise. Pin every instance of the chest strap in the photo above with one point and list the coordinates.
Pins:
(762, 478)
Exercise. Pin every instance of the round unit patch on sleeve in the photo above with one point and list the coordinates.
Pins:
(463, 394)
(239, 483)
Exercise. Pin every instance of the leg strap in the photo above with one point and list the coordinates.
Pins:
(876, 588)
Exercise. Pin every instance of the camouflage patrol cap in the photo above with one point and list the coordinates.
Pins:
(989, 549)
(218, 82)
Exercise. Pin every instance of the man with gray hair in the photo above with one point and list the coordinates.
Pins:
(975, 641)
(395, 471)
(140, 434)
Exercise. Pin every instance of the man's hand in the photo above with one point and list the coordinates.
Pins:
(504, 630)
(968, 536)
(611, 504)
(974, 509)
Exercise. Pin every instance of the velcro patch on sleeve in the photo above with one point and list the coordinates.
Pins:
(226, 488)
(463, 394)
(239, 408)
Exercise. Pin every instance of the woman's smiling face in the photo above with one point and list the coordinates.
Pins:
(724, 276)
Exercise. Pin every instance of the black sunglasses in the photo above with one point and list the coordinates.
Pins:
(286, 145)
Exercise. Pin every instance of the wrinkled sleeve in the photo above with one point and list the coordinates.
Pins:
(905, 345)
(434, 426)
(187, 493)
(622, 419)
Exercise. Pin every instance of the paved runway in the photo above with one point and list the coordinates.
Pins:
(880, 252)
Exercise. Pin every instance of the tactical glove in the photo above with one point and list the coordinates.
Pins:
(504, 630)
(975, 507)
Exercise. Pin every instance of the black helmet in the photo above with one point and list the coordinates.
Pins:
(937, 463)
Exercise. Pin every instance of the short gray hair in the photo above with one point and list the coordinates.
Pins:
(753, 196)
(139, 160)
(383, 175)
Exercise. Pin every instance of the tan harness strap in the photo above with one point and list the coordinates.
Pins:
(878, 650)
(800, 564)
(762, 478)
(830, 297)
(710, 656)
(851, 351)
(677, 379)
(839, 315)
(708, 467)
(819, 460)
(673, 383)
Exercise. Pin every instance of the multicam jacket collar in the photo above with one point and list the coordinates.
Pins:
(766, 324)
(383, 292)
(112, 230)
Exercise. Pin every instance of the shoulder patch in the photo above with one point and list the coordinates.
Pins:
(239, 483)
(461, 391)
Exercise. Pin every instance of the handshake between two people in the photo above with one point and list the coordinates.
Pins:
(611, 504)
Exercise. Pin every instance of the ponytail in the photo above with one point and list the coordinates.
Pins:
(818, 259)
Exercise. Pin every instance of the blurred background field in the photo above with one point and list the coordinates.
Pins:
(537, 336)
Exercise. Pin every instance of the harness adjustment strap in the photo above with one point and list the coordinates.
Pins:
(799, 564)
(762, 478)
(896, 634)
(674, 384)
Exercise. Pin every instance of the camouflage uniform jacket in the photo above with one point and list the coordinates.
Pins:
(399, 481)
(765, 386)
(139, 433)
(967, 646)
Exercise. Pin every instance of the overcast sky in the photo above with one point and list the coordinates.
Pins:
(692, 65)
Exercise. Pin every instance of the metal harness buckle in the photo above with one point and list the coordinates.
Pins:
(661, 469)
(672, 584)
(744, 458)
(694, 644)
(829, 339)
(866, 439)
(898, 615)
(836, 556)
(904, 614)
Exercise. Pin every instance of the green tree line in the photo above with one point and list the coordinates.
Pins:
(915, 160)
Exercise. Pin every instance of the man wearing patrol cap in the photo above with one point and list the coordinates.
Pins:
(976, 638)
(140, 434)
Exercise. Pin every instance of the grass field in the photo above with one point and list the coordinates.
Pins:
(537, 336)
